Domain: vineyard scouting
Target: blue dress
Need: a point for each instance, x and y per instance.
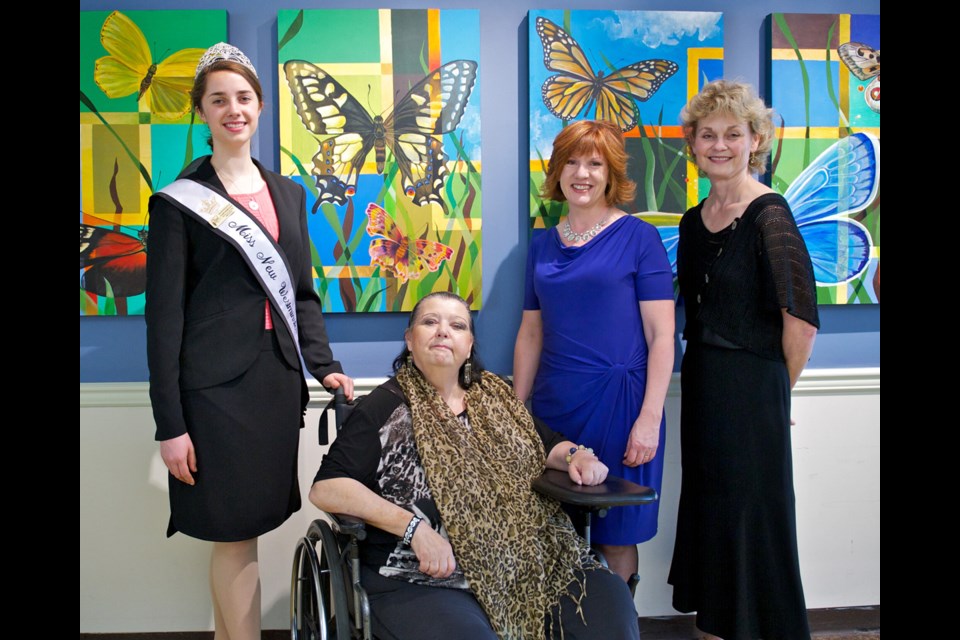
(593, 365)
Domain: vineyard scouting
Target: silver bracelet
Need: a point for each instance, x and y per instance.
(411, 529)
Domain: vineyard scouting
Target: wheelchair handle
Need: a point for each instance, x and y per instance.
(341, 408)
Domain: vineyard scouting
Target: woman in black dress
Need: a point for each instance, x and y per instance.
(232, 321)
(750, 300)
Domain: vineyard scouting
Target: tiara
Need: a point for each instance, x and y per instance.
(223, 51)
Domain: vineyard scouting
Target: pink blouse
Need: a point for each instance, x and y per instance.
(260, 206)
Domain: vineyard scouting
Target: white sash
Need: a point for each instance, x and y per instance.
(264, 257)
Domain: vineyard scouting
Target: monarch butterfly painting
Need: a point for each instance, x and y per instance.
(130, 69)
(636, 69)
(433, 106)
(577, 87)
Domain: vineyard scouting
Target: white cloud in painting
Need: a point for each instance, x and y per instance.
(470, 129)
(544, 127)
(662, 27)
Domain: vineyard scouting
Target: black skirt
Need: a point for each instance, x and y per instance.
(735, 561)
(246, 433)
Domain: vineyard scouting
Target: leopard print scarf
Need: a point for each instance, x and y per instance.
(517, 548)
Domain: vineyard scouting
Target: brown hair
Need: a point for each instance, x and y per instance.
(736, 99)
(586, 137)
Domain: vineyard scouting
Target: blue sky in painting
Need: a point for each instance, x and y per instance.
(788, 93)
(460, 40)
(866, 29)
(622, 38)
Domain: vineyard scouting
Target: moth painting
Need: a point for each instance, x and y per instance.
(636, 69)
(863, 61)
(823, 81)
(385, 137)
(137, 133)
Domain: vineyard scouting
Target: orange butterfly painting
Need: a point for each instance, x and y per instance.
(577, 87)
(395, 253)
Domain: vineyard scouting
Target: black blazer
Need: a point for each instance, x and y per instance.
(204, 306)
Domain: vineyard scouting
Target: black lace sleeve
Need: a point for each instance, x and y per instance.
(790, 266)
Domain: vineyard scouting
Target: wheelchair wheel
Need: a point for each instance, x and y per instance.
(318, 600)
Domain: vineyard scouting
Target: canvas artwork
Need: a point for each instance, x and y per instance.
(824, 85)
(137, 132)
(637, 69)
(380, 121)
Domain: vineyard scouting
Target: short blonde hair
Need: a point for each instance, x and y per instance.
(585, 137)
(737, 99)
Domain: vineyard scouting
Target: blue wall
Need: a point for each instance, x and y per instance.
(114, 349)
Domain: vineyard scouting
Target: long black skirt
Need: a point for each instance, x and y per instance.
(246, 434)
(735, 561)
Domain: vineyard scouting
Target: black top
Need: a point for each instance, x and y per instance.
(376, 447)
(736, 281)
(204, 307)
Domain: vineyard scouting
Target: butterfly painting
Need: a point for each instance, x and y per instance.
(827, 157)
(130, 69)
(108, 256)
(395, 253)
(864, 62)
(576, 87)
(842, 180)
(433, 106)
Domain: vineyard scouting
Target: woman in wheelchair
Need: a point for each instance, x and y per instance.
(439, 462)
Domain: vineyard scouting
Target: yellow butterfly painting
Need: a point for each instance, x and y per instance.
(577, 87)
(130, 69)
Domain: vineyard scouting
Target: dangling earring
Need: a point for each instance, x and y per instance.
(467, 373)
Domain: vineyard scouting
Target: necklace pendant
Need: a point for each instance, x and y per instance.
(572, 236)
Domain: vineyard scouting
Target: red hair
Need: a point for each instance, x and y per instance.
(586, 137)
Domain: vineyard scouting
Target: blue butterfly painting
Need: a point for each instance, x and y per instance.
(842, 180)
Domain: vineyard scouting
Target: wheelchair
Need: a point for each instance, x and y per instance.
(327, 600)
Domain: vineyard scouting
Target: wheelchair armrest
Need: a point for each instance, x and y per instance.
(613, 492)
(346, 525)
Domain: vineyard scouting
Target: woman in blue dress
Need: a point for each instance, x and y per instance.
(594, 352)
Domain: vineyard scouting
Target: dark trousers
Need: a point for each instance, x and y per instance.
(405, 611)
